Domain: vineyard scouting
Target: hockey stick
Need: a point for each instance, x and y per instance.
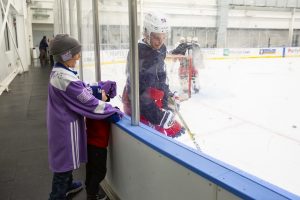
(192, 136)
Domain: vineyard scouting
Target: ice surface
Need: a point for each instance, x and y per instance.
(248, 115)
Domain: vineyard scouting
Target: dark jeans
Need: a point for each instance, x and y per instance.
(95, 168)
(43, 57)
(60, 185)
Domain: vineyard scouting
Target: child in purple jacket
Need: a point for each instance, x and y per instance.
(69, 100)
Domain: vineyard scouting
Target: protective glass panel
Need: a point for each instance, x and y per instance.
(88, 42)
(218, 77)
(229, 66)
(114, 34)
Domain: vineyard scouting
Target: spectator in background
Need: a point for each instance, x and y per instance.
(43, 51)
(51, 56)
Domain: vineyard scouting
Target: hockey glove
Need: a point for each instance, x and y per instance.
(167, 120)
(175, 130)
(110, 88)
(96, 91)
(179, 133)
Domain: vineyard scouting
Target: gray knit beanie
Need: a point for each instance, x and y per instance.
(64, 48)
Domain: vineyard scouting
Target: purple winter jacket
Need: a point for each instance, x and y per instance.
(69, 100)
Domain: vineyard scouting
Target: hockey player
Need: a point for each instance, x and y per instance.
(180, 48)
(188, 69)
(181, 41)
(154, 90)
(197, 60)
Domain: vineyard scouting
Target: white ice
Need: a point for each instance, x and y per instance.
(246, 114)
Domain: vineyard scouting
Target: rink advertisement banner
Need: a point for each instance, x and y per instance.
(213, 53)
(119, 56)
(106, 56)
(230, 53)
(292, 52)
(270, 52)
(267, 51)
(237, 52)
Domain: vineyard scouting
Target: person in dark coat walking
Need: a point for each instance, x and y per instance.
(43, 51)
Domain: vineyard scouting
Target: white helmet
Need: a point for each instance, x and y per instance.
(195, 40)
(155, 23)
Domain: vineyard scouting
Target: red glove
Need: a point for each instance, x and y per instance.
(175, 130)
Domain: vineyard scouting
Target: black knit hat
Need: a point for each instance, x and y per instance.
(64, 48)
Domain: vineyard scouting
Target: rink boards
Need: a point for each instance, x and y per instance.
(119, 56)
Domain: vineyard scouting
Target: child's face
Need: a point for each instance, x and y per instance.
(157, 40)
(72, 62)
